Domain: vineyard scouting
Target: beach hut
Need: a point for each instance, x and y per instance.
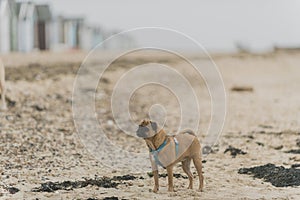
(86, 39)
(120, 41)
(43, 26)
(27, 20)
(97, 37)
(8, 26)
(73, 29)
(91, 36)
(57, 30)
(70, 33)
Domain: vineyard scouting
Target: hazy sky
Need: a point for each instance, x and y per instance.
(217, 24)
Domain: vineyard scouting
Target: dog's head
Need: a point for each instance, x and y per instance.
(147, 129)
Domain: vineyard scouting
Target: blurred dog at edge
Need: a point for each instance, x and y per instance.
(2, 87)
(167, 150)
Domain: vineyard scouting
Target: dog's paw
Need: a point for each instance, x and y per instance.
(3, 108)
(171, 190)
(155, 189)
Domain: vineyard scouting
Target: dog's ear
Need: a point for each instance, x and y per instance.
(154, 126)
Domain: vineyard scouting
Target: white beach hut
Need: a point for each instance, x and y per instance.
(86, 39)
(8, 26)
(27, 34)
(120, 42)
(97, 36)
(91, 36)
(73, 29)
(57, 32)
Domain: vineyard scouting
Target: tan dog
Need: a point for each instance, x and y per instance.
(2, 86)
(168, 150)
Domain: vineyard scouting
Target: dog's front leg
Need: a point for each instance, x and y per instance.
(2, 87)
(3, 106)
(156, 184)
(170, 178)
(155, 173)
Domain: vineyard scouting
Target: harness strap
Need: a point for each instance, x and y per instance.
(155, 152)
(176, 146)
(155, 155)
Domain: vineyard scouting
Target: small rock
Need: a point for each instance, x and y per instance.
(206, 150)
(12, 190)
(250, 136)
(39, 107)
(110, 123)
(265, 126)
(242, 89)
(260, 144)
(278, 147)
(298, 142)
(234, 151)
(9, 118)
(130, 183)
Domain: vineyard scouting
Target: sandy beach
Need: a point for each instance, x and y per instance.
(39, 142)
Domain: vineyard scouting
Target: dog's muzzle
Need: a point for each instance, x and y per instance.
(142, 132)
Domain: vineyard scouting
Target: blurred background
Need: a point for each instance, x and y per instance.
(59, 25)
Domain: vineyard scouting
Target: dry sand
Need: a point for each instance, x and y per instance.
(39, 143)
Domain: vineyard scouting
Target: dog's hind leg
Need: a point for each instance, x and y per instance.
(186, 168)
(198, 164)
(170, 178)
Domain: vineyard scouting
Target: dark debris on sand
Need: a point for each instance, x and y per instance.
(285, 132)
(234, 151)
(242, 89)
(295, 166)
(111, 198)
(124, 178)
(277, 176)
(105, 198)
(104, 182)
(294, 151)
(175, 175)
(298, 142)
(12, 190)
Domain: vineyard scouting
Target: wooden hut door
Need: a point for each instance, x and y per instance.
(42, 35)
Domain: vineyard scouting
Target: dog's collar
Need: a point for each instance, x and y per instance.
(160, 147)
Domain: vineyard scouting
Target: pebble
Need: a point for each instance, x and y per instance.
(110, 123)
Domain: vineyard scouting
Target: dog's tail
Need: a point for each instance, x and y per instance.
(189, 132)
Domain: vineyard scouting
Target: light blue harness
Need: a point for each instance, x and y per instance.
(155, 152)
